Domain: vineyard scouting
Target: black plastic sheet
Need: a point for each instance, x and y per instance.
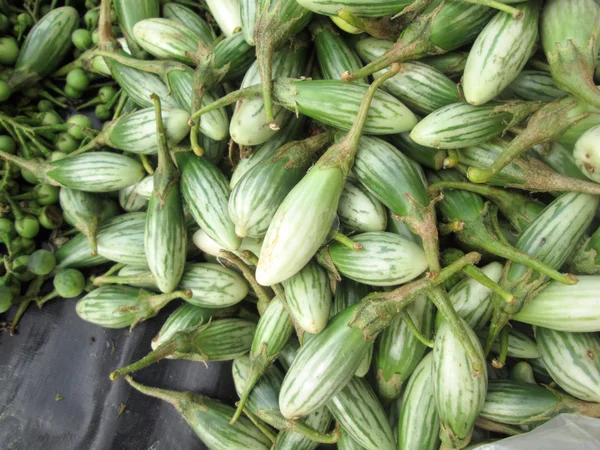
(55, 392)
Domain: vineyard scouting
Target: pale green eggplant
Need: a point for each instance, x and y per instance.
(227, 15)
(236, 52)
(565, 308)
(359, 210)
(122, 306)
(211, 249)
(129, 14)
(82, 210)
(138, 276)
(130, 200)
(308, 297)
(323, 366)
(451, 63)
(248, 19)
(210, 420)
(357, 409)
(587, 153)
(77, 254)
(189, 18)
(92, 172)
(249, 125)
(357, 7)
(398, 350)
(144, 188)
(206, 192)
(385, 259)
(319, 420)
(419, 424)
(500, 52)
(459, 393)
(519, 345)
(256, 197)
(533, 85)
(572, 360)
(167, 39)
(121, 239)
(569, 33)
(426, 156)
(522, 372)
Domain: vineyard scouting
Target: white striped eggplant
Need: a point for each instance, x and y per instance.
(572, 360)
(356, 7)
(533, 86)
(334, 55)
(451, 63)
(421, 87)
(248, 19)
(47, 43)
(308, 297)
(209, 420)
(217, 340)
(471, 300)
(211, 249)
(189, 18)
(165, 237)
(122, 306)
(426, 156)
(130, 14)
(205, 190)
(359, 210)
(518, 403)
(264, 402)
(290, 131)
(276, 22)
(385, 259)
(443, 26)
(82, 210)
(273, 332)
(323, 366)
(227, 15)
(319, 420)
(121, 239)
(305, 217)
(569, 33)
(137, 276)
(419, 424)
(130, 200)
(249, 124)
(395, 181)
(236, 52)
(585, 153)
(519, 345)
(319, 100)
(77, 254)
(565, 308)
(256, 197)
(92, 172)
(357, 409)
(500, 52)
(550, 238)
(398, 350)
(459, 393)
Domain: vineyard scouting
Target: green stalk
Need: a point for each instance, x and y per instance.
(478, 275)
(263, 427)
(414, 329)
(240, 94)
(383, 28)
(500, 361)
(347, 242)
(490, 425)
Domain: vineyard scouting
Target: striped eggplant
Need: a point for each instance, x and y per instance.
(190, 19)
(47, 43)
(460, 125)
(572, 360)
(540, 371)
(130, 14)
(459, 394)
(92, 172)
(205, 190)
(211, 249)
(471, 300)
(276, 22)
(358, 411)
(292, 130)
(586, 153)
(333, 53)
(569, 33)
(444, 26)
(121, 239)
(550, 238)
(77, 254)
(395, 181)
(130, 200)
(398, 350)
(82, 210)
(519, 403)
(249, 124)
(308, 297)
(137, 276)
(264, 402)
(500, 52)
(319, 420)
(273, 332)
(210, 420)
(386, 259)
(256, 197)
(227, 15)
(451, 63)
(359, 210)
(519, 345)
(421, 87)
(165, 237)
(323, 366)
(533, 85)
(167, 39)
(357, 7)
(122, 306)
(217, 340)
(580, 313)
(305, 217)
(248, 19)
(236, 52)
(419, 424)
(426, 156)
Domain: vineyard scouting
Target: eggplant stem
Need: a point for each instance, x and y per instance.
(415, 330)
(347, 242)
(263, 427)
(490, 425)
(500, 361)
(479, 276)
